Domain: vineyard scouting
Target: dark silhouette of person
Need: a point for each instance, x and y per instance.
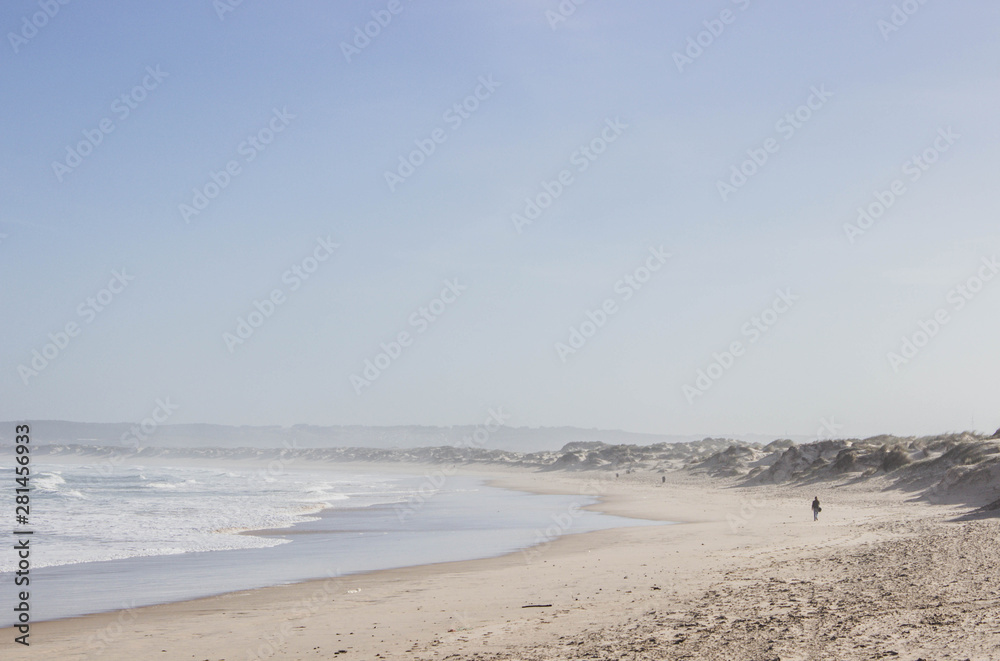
(816, 508)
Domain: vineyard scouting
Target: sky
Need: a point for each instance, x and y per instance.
(717, 218)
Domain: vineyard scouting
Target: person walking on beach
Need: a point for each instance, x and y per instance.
(816, 508)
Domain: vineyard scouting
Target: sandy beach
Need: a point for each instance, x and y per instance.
(500, 331)
(744, 575)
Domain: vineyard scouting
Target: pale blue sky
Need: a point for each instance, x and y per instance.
(496, 345)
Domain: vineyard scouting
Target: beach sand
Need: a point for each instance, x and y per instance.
(745, 575)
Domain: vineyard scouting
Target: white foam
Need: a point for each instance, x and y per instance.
(48, 481)
(85, 516)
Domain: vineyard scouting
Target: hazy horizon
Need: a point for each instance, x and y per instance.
(726, 219)
(829, 431)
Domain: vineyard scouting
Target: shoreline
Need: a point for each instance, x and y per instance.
(600, 584)
(308, 527)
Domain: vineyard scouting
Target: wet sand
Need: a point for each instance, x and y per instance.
(746, 575)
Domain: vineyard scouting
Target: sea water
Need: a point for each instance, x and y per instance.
(138, 535)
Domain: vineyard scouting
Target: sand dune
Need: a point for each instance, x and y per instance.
(949, 468)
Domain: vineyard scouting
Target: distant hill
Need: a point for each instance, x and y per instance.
(948, 468)
(513, 439)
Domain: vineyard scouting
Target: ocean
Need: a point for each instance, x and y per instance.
(114, 537)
